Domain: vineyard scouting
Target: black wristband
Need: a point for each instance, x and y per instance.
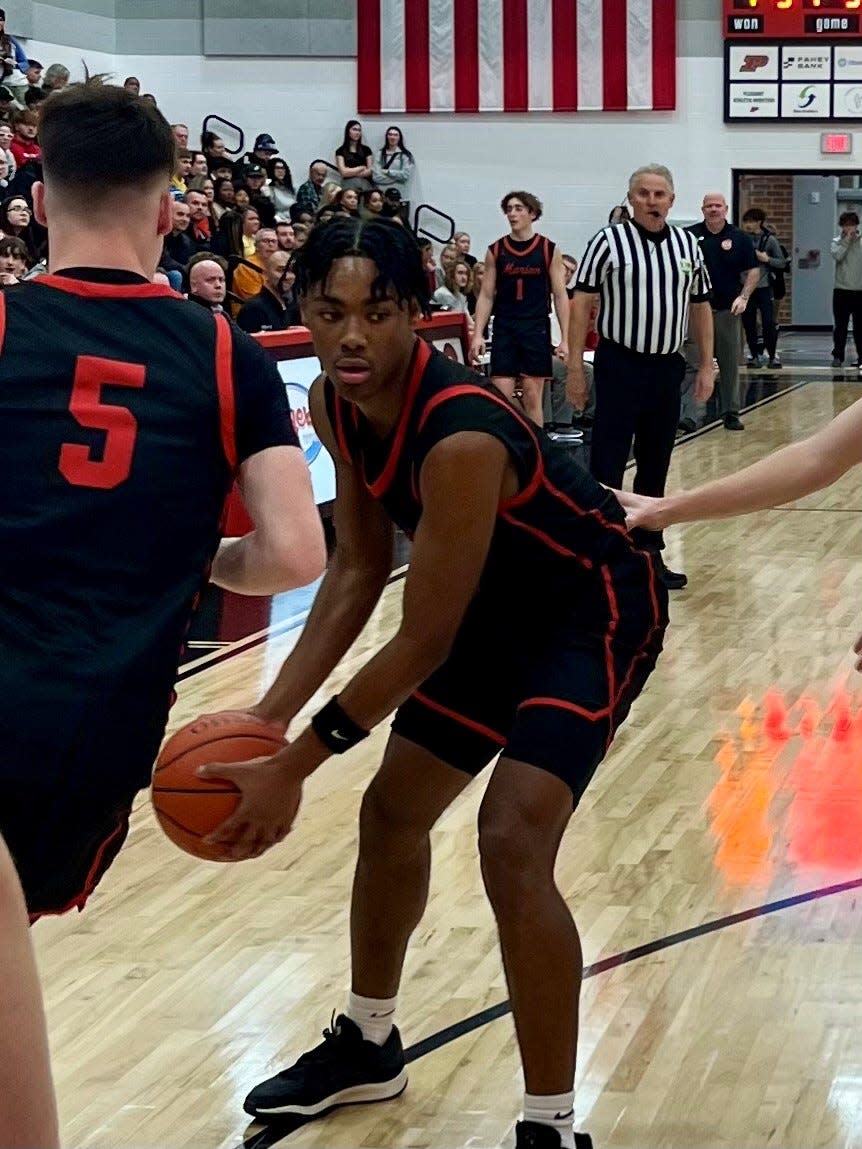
(335, 729)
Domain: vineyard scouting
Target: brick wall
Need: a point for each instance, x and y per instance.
(773, 193)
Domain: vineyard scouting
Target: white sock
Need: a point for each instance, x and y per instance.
(374, 1015)
(556, 1110)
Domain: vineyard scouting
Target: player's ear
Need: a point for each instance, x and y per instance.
(166, 213)
(38, 192)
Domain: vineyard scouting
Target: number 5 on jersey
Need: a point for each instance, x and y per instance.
(77, 465)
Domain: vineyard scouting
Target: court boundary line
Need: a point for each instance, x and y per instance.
(278, 1129)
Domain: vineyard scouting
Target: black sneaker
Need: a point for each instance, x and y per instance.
(733, 423)
(673, 580)
(775, 365)
(532, 1135)
(343, 1070)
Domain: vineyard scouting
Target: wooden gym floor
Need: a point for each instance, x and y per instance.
(713, 867)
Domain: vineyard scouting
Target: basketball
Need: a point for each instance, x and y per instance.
(189, 808)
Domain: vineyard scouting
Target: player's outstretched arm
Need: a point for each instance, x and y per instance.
(28, 1111)
(286, 549)
(780, 478)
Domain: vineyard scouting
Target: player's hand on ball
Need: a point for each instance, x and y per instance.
(271, 796)
(643, 511)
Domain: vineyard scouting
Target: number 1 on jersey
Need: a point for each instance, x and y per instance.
(77, 465)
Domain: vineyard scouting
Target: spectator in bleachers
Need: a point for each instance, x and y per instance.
(14, 260)
(308, 195)
(354, 158)
(279, 187)
(284, 234)
(199, 165)
(452, 296)
(301, 232)
(264, 149)
(213, 147)
(24, 146)
(250, 228)
(34, 96)
(33, 74)
(241, 198)
(16, 219)
(300, 214)
(177, 248)
(178, 184)
(393, 166)
(203, 184)
(224, 198)
(462, 241)
(274, 307)
(199, 229)
(207, 282)
(181, 134)
(248, 276)
(8, 104)
(372, 204)
(448, 255)
(6, 135)
(132, 84)
(57, 77)
(347, 199)
(148, 97)
(571, 266)
(11, 53)
(429, 265)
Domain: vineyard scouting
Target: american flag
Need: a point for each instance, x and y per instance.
(419, 56)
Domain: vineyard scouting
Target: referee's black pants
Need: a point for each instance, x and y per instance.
(637, 398)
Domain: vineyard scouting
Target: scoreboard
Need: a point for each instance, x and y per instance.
(792, 19)
(792, 60)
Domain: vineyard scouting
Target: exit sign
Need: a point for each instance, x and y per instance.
(836, 143)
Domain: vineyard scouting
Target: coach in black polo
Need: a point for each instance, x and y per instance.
(734, 271)
(652, 284)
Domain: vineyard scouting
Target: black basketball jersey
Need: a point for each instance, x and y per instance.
(523, 277)
(554, 541)
(124, 413)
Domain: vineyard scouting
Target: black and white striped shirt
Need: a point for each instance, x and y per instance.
(646, 283)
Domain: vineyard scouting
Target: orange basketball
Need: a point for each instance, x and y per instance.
(188, 807)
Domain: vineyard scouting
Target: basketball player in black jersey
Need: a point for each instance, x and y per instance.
(125, 413)
(523, 273)
(497, 516)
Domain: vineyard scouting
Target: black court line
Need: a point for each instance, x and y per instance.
(281, 1128)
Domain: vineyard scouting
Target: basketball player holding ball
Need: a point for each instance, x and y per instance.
(497, 515)
(125, 414)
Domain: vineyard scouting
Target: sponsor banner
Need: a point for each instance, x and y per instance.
(847, 101)
(809, 64)
(298, 375)
(747, 63)
(753, 102)
(847, 63)
(805, 101)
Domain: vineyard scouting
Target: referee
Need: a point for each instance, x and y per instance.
(652, 281)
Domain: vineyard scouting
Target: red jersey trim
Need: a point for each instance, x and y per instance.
(339, 430)
(382, 484)
(224, 383)
(96, 872)
(548, 541)
(535, 482)
(537, 239)
(613, 609)
(562, 704)
(88, 290)
(477, 727)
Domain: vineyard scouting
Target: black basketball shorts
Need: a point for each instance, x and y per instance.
(522, 347)
(65, 814)
(553, 702)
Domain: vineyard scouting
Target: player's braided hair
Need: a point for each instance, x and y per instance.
(391, 248)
